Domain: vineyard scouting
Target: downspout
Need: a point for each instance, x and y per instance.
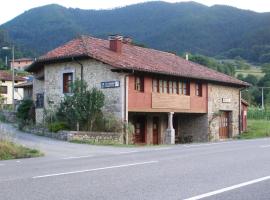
(126, 105)
(240, 110)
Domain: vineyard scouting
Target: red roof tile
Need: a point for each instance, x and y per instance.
(7, 76)
(135, 58)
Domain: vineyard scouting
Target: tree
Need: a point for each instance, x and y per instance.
(251, 79)
(83, 106)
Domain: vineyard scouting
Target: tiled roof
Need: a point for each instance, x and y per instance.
(7, 76)
(135, 58)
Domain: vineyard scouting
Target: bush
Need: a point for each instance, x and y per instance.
(9, 150)
(108, 123)
(57, 126)
(83, 106)
(25, 113)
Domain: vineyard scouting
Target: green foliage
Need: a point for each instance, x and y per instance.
(256, 129)
(25, 112)
(224, 67)
(179, 27)
(108, 123)
(10, 150)
(83, 106)
(57, 126)
(257, 113)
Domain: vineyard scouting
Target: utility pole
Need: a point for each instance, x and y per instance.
(12, 68)
(262, 99)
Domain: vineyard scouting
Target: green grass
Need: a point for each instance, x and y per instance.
(257, 129)
(10, 150)
(253, 71)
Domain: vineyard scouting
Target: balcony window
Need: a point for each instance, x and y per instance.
(198, 89)
(139, 84)
(160, 84)
(165, 86)
(170, 87)
(155, 85)
(175, 87)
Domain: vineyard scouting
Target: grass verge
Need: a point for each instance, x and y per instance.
(10, 150)
(256, 129)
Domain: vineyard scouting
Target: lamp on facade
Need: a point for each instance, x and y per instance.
(12, 68)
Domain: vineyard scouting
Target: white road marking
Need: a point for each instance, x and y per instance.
(229, 188)
(126, 152)
(160, 149)
(77, 157)
(95, 169)
(265, 146)
(207, 144)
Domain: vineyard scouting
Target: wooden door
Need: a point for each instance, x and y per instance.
(155, 130)
(140, 129)
(224, 125)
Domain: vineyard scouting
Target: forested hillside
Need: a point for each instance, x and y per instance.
(220, 31)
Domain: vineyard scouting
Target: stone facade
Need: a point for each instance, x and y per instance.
(95, 137)
(192, 128)
(38, 87)
(223, 98)
(94, 73)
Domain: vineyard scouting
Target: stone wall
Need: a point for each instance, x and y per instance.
(223, 98)
(38, 87)
(95, 137)
(9, 116)
(192, 128)
(94, 73)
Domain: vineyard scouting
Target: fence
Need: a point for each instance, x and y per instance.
(258, 113)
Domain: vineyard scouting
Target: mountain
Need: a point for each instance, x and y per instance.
(177, 27)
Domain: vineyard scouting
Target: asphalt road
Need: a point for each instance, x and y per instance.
(226, 170)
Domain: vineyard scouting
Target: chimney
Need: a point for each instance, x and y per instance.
(127, 40)
(187, 57)
(116, 43)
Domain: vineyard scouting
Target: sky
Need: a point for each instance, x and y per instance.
(12, 8)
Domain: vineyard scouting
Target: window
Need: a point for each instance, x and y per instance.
(180, 88)
(170, 87)
(165, 86)
(175, 87)
(67, 81)
(139, 84)
(40, 100)
(160, 83)
(3, 81)
(155, 85)
(185, 89)
(198, 89)
(3, 90)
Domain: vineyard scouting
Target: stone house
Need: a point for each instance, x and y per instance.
(6, 87)
(168, 99)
